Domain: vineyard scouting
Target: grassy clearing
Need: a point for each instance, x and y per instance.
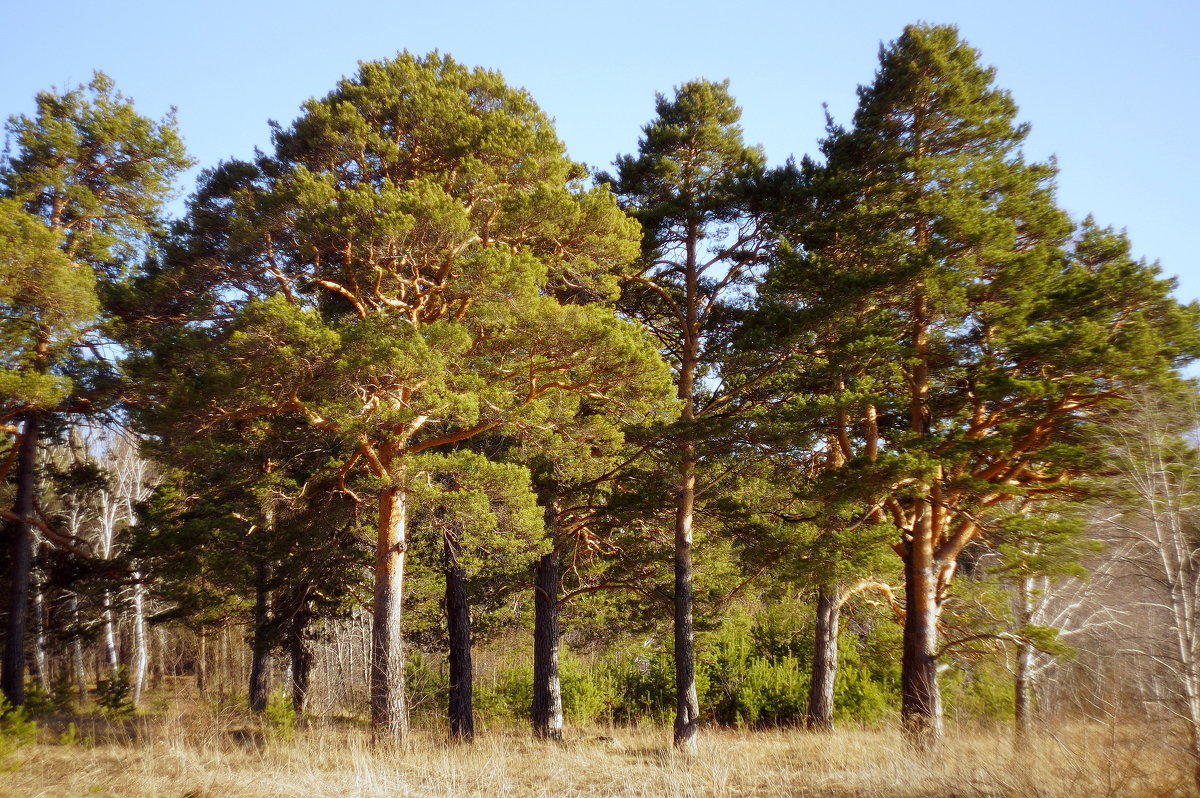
(225, 754)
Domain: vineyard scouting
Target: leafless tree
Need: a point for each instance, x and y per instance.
(1158, 461)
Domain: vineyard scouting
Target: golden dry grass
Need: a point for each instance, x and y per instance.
(197, 753)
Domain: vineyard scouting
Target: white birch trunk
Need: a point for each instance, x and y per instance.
(141, 650)
(110, 636)
(39, 636)
(77, 650)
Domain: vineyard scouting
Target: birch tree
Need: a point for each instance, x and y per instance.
(1155, 453)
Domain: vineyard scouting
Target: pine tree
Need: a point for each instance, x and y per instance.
(963, 348)
(94, 173)
(414, 266)
(698, 191)
(477, 523)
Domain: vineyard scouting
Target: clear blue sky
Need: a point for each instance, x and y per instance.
(1112, 88)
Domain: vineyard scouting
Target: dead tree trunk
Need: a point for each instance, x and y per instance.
(1022, 687)
(39, 624)
(111, 657)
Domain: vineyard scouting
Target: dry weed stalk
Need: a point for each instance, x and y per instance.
(205, 754)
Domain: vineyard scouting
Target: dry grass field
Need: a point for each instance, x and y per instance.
(203, 754)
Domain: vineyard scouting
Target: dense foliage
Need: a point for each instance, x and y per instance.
(409, 383)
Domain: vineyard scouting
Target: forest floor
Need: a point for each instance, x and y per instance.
(196, 753)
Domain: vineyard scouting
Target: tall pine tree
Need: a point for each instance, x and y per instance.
(698, 191)
(95, 174)
(414, 266)
(963, 349)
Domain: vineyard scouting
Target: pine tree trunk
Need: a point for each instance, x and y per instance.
(389, 713)
(547, 711)
(141, 647)
(201, 660)
(825, 660)
(458, 628)
(260, 664)
(920, 701)
(300, 650)
(224, 667)
(687, 704)
(12, 680)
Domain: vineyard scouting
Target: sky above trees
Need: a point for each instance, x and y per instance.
(1109, 88)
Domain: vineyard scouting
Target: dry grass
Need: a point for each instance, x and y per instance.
(197, 753)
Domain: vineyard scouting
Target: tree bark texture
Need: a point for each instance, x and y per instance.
(1022, 688)
(547, 711)
(819, 716)
(300, 650)
(687, 704)
(39, 629)
(111, 656)
(260, 647)
(77, 649)
(13, 676)
(159, 661)
(920, 701)
(389, 712)
(458, 629)
(201, 660)
(141, 645)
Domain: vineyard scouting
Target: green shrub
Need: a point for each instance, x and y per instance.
(59, 698)
(868, 679)
(644, 686)
(978, 691)
(426, 688)
(513, 693)
(37, 700)
(280, 717)
(113, 695)
(753, 669)
(589, 692)
(71, 736)
(773, 692)
(16, 731)
(783, 628)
